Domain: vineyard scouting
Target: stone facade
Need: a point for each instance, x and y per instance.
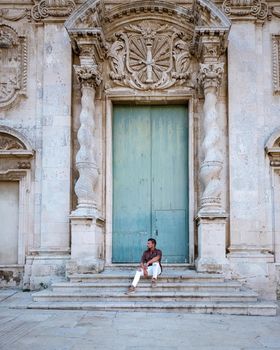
(63, 65)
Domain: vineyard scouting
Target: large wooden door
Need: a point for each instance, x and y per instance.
(150, 181)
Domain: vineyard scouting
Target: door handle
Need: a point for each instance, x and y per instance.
(156, 232)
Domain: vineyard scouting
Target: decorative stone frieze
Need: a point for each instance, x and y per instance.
(14, 15)
(149, 56)
(246, 9)
(210, 171)
(52, 8)
(276, 63)
(13, 66)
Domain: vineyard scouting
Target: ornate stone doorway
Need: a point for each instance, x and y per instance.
(147, 52)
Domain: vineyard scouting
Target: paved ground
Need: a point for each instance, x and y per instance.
(22, 329)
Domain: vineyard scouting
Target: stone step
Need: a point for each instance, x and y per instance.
(169, 296)
(145, 285)
(209, 307)
(126, 276)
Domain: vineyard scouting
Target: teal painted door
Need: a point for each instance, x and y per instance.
(150, 181)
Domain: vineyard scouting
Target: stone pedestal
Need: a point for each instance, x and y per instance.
(211, 243)
(87, 250)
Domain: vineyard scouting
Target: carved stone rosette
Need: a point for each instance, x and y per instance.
(210, 171)
(89, 78)
(54, 8)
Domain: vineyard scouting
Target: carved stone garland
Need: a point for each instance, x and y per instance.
(89, 78)
(149, 56)
(212, 165)
(13, 65)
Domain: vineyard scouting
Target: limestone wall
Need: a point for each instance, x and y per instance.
(46, 113)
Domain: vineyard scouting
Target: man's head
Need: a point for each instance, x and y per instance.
(151, 243)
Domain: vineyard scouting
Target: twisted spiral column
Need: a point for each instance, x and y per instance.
(210, 171)
(86, 184)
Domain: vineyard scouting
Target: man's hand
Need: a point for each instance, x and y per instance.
(145, 270)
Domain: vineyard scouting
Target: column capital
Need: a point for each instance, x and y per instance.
(88, 76)
(210, 75)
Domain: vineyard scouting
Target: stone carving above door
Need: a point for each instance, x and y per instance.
(9, 143)
(13, 66)
(149, 55)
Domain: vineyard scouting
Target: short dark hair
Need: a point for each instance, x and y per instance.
(152, 240)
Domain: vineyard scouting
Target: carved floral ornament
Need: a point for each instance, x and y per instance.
(210, 75)
(88, 76)
(148, 56)
(13, 65)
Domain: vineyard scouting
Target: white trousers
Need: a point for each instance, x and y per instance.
(153, 270)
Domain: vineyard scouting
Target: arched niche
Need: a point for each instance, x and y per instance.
(272, 148)
(14, 144)
(16, 155)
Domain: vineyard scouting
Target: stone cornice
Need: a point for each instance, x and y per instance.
(89, 42)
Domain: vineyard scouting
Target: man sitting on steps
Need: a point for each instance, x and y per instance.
(150, 265)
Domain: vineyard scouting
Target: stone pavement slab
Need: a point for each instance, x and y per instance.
(24, 329)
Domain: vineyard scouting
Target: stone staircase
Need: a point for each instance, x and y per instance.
(178, 290)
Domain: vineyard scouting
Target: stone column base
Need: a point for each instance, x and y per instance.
(87, 245)
(212, 243)
(44, 266)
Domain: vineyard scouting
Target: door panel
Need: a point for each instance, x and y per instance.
(168, 226)
(150, 178)
(170, 180)
(131, 182)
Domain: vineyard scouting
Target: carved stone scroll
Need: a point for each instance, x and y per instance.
(148, 56)
(89, 78)
(13, 66)
(53, 8)
(257, 9)
(211, 167)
